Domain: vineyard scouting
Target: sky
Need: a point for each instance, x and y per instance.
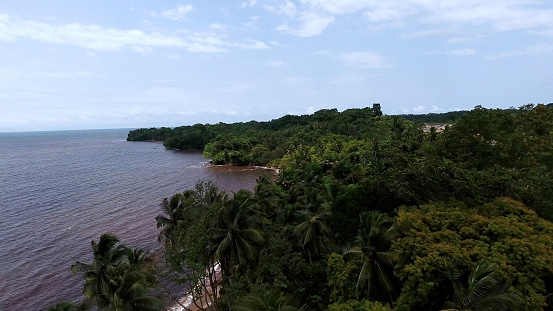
(78, 64)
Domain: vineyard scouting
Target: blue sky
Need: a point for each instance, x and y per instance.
(113, 64)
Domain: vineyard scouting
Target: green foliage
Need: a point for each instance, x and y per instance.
(341, 278)
(234, 235)
(354, 305)
(152, 134)
(504, 233)
(118, 278)
(313, 235)
(341, 172)
(445, 117)
(482, 291)
(68, 306)
(372, 250)
(267, 302)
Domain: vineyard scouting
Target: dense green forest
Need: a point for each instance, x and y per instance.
(368, 212)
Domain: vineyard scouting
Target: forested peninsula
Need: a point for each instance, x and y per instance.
(368, 212)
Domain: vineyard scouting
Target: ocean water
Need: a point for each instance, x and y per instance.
(61, 190)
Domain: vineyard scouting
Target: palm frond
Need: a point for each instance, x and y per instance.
(80, 267)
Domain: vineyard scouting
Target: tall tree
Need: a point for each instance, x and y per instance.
(235, 237)
(117, 278)
(99, 274)
(313, 235)
(482, 291)
(373, 249)
(176, 214)
(133, 287)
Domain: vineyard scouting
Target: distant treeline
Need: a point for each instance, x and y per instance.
(448, 117)
(265, 143)
(273, 134)
(445, 117)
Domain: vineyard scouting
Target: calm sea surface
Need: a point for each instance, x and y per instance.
(61, 190)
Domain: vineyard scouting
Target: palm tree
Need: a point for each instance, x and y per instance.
(117, 279)
(373, 249)
(268, 302)
(313, 234)
(267, 197)
(482, 291)
(135, 258)
(98, 275)
(175, 214)
(236, 241)
(68, 306)
(133, 292)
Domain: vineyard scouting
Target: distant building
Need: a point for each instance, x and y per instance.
(438, 127)
(376, 110)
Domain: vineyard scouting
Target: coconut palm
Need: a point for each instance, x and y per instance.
(116, 279)
(373, 249)
(133, 287)
(481, 292)
(236, 241)
(313, 234)
(98, 275)
(267, 197)
(68, 306)
(135, 258)
(174, 214)
(268, 302)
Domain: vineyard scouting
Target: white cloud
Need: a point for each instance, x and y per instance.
(419, 109)
(172, 56)
(94, 37)
(252, 44)
(364, 59)
(344, 6)
(440, 31)
(463, 39)
(311, 24)
(548, 32)
(541, 48)
(214, 39)
(499, 14)
(142, 49)
(390, 13)
(248, 3)
(8, 74)
(179, 13)
(217, 26)
(98, 38)
(463, 52)
(287, 8)
(502, 15)
(424, 109)
(253, 23)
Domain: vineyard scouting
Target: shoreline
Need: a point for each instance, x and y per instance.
(246, 167)
(260, 167)
(189, 304)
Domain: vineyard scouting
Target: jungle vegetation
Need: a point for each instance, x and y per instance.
(368, 212)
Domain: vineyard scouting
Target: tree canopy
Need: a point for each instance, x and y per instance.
(368, 212)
